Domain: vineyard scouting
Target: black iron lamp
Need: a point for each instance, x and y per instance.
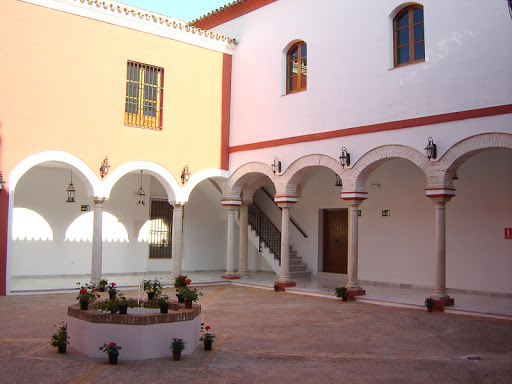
(2, 181)
(185, 175)
(344, 157)
(339, 183)
(431, 149)
(71, 191)
(104, 167)
(276, 165)
(455, 177)
(141, 195)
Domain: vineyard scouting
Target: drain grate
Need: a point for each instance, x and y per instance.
(474, 358)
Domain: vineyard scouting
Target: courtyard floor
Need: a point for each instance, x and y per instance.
(273, 337)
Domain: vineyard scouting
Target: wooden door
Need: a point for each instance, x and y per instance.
(335, 240)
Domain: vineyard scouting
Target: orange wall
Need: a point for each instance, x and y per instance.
(63, 88)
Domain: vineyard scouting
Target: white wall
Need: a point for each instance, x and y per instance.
(351, 81)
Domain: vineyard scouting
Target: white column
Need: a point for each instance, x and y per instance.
(244, 229)
(353, 244)
(177, 240)
(285, 245)
(440, 231)
(230, 258)
(97, 240)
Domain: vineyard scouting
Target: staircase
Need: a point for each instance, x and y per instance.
(267, 238)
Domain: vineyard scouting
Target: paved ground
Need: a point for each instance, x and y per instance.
(269, 337)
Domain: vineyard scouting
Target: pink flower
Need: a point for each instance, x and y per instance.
(111, 345)
(207, 328)
(99, 296)
(113, 284)
(83, 291)
(188, 281)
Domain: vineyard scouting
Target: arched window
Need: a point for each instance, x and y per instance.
(409, 39)
(297, 68)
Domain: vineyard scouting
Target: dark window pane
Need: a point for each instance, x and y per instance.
(402, 36)
(402, 55)
(294, 53)
(292, 83)
(418, 32)
(304, 50)
(418, 15)
(419, 51)
(402, 20)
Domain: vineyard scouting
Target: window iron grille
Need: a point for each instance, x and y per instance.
(160, 231)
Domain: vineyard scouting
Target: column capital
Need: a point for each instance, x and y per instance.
(440, 195)
(231, 203)
(285, 201)
(354, 197)
(178, 205)
(98, 200)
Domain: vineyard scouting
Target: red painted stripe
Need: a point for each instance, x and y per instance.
(4, 211)
(231, 13)
(226, 103)
(392, 125)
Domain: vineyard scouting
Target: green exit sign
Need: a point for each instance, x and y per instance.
(85, 208)
(386, 213)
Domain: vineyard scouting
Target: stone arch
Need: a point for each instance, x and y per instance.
(160, 173)
(87, 176)
(246, 175)
(464, 149)
(290, 184)
(373, 159)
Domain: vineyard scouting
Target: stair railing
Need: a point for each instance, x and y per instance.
(266, 230)
(301, 231)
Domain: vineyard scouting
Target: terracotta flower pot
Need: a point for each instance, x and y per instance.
(112, 358)
(123, 309)
(112, 295)
(151, 295)
(176, 356)
(62, 348)
(188, 303)
(84, 305)
(164, 308)
(207, 345)
(429, 308)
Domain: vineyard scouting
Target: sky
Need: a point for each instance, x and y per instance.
(186, 10)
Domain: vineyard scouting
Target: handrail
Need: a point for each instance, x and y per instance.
(291, 219)
(266, 230)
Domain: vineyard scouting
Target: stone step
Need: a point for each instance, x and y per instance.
(298, 268)
(300, 274)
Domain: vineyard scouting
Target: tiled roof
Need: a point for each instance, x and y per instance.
(142, 15)
(218, 10)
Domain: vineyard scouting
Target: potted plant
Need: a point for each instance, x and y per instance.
(206, 337)
(153, 288)
(163, 301)
(177, 346)
(342, 292)
(429, 303)
(102, 285)
(124, 303)
(111, 306)
(86, 294)
(112, 290)
(189, 295)
(181, 281)
(276, 287)
(112, 350)
(60, 338)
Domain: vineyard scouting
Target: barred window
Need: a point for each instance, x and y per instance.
(144, 93)
(160, 231)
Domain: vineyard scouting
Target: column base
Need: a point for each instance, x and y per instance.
(284, 284)
(243, 273)
(352, 293)
(230, 277)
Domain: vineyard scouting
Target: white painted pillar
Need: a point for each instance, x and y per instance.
(243, 246)
(440, 198)
(230, 257)
(285, 203)
(177, 240)
(354, 200)
(97, 240)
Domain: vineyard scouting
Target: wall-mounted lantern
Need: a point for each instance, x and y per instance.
(185, 175)
(276, 165)
(431, 149)
(104, 167)
(344, 157)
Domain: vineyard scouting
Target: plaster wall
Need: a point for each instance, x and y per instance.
(351, 79)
